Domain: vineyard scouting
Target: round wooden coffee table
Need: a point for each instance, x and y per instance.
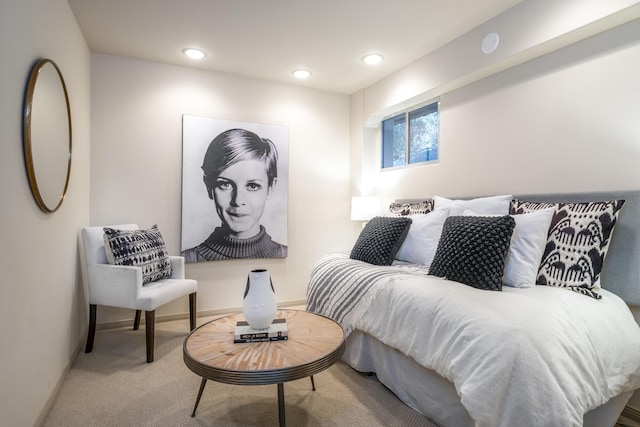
(315, 343)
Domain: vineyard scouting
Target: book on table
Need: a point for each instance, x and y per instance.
(277, 331)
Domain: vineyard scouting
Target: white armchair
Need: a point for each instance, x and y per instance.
(122, 286)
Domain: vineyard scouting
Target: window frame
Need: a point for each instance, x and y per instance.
(406, 116)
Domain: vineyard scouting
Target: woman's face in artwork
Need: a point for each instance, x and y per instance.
(240, 193)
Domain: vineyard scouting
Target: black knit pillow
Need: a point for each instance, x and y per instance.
(380, 240)
(141, 248)
(472, 250)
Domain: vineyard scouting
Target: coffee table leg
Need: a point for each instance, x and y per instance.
(313, 384)
(281, 404)
(202, 384)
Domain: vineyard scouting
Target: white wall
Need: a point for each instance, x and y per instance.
(526, 31)
(136, 134)
(564, 121)
(43, 305)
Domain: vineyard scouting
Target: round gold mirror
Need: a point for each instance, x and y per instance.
(47, 135)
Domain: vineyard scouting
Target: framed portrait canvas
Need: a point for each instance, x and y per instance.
(234, 189)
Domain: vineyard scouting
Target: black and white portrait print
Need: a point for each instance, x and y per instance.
(234, 189)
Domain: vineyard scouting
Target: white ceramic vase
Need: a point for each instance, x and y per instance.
(259, 305)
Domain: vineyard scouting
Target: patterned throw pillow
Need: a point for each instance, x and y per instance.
(577, 244)
(141, 248)
(380, 240)
(404, 209)
(473, 249)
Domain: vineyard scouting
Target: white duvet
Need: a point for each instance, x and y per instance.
(521, 357)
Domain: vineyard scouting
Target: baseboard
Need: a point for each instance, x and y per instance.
(170, 317)
(631, 413)
(52, 396)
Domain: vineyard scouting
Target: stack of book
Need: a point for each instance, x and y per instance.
(276, 332)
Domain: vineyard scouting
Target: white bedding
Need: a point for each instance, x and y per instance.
(521, 357)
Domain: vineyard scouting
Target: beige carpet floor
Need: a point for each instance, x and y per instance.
(114, 386)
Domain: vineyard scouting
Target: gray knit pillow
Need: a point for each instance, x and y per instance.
(473, 249)
(380, 240)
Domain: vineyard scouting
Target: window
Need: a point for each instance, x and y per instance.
(417, 143)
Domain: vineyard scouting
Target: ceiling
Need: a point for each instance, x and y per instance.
(267, 39)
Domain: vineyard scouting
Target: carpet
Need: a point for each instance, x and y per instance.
(114, 386)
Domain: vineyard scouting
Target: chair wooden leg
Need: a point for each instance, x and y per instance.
(192, 310)
(150, 320)
(136, 321)
(92, 328)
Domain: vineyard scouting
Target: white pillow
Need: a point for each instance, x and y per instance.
(527, 246)
(421, 243)
(493, 205)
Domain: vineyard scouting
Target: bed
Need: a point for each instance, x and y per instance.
(565, 354)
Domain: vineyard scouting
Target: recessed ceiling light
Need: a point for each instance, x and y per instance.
(194, 53)
(372, 59)
(490, 43)
(301, 74)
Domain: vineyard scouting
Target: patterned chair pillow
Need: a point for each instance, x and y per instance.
(141, 248)
(579, 237)
(380, 240)
(473, 250)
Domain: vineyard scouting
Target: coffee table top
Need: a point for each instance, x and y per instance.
(315, 343)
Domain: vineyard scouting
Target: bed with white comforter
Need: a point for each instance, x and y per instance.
(537, 356)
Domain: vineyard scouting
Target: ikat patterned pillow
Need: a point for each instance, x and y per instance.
(141, 248)
(404, 209)
(473, 250)
(380, 240)
(579, 237)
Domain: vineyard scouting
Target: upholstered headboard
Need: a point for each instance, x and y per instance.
(621, 270)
